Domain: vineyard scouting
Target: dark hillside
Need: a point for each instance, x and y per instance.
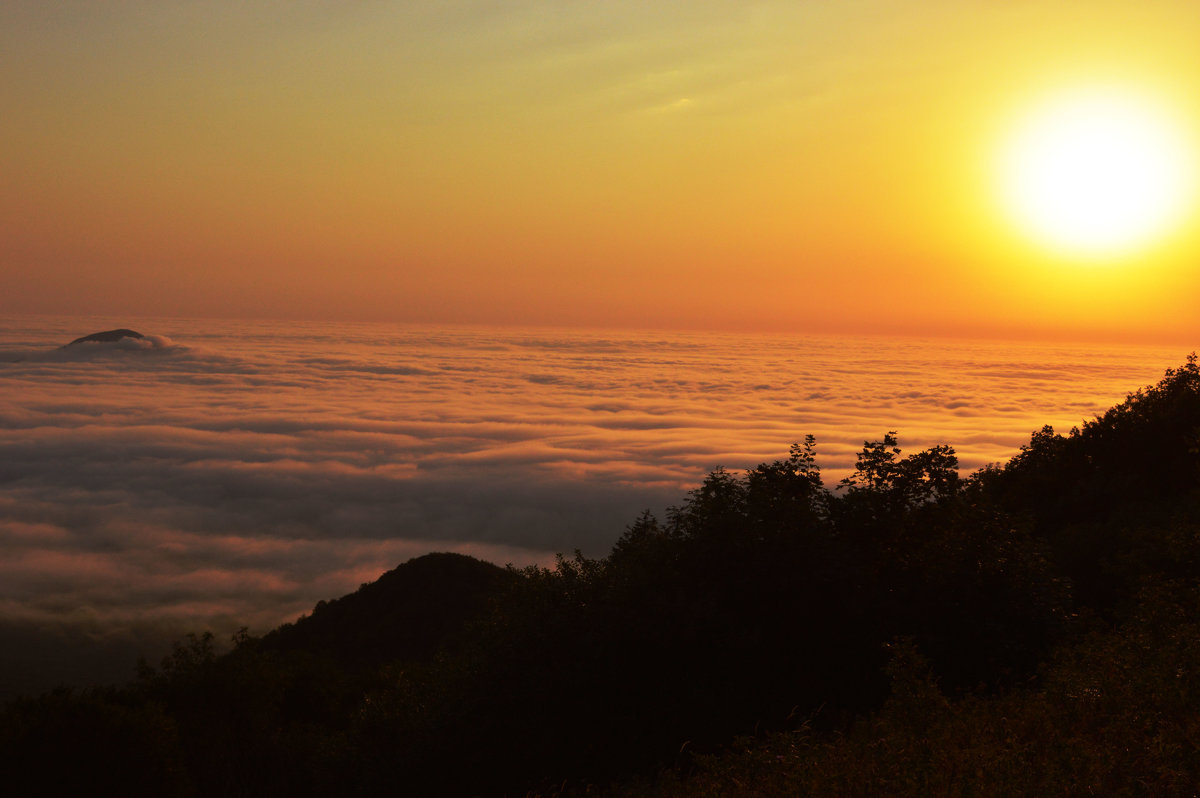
(1118, 499)
(409, 613)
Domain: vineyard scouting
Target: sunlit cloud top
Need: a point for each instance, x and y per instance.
(239, 472)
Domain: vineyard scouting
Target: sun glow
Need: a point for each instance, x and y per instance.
(1096, 174)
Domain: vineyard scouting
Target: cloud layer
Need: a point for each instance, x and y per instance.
(236, 473)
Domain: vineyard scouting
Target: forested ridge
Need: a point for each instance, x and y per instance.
(1027, 629)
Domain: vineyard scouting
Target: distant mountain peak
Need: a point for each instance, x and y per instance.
(108, 336)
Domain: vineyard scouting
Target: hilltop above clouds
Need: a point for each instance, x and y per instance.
(121, 339)
(111, 336)
(119, 343)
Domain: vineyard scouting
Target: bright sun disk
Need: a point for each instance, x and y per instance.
(1096, 174)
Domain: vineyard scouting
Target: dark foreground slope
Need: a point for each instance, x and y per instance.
(275, 716)
(408, 614)
(916, 626)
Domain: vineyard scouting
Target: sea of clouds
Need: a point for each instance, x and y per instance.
(221, 474)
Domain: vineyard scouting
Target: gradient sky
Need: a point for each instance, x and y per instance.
(714, 165)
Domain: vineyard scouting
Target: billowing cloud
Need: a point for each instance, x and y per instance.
(235, 474)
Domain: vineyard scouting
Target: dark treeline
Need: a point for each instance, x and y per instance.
(909, 605)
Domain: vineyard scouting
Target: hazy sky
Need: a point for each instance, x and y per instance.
(727, 165)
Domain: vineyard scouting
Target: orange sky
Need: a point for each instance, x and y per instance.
(776, 166)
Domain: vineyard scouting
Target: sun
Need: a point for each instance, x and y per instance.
(1096, 173)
